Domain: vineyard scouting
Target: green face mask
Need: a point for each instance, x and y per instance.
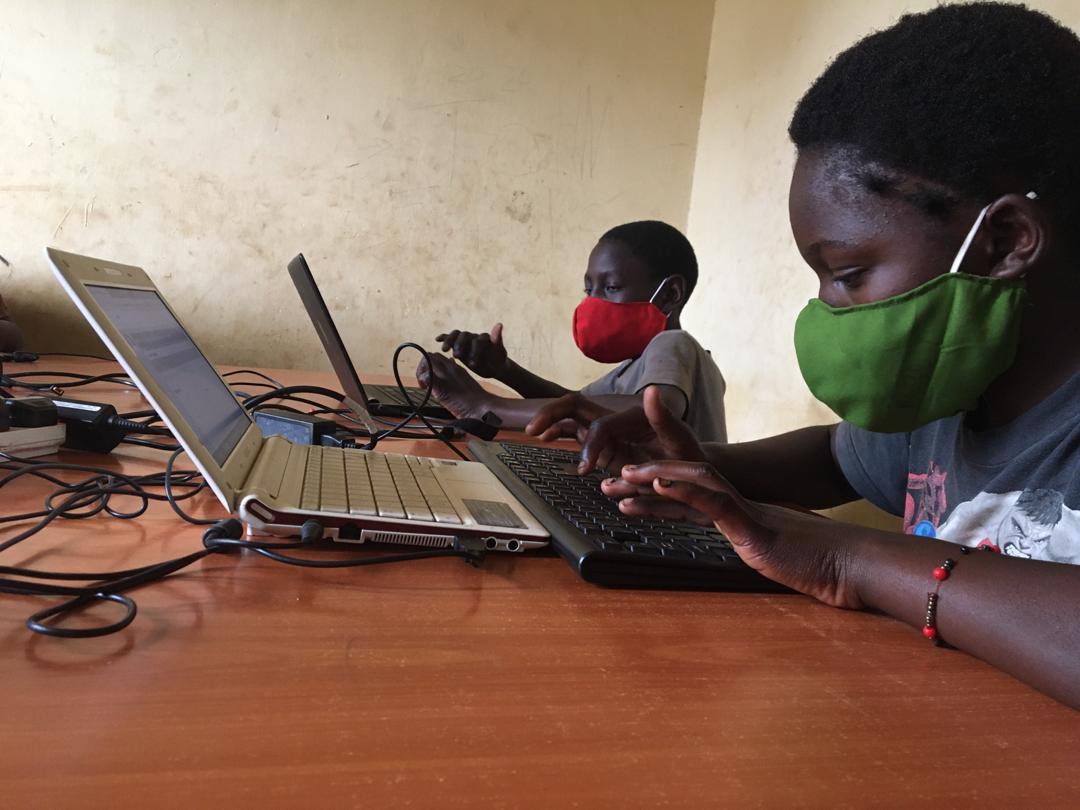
(894, 365)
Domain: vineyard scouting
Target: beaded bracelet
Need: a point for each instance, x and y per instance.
(941, 573)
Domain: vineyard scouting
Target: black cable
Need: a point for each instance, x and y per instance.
(417, 408)
(13, 380)
(110, 587)
(148, 443)
(254, 373)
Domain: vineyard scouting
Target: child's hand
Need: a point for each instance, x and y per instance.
(482, 353)
(609, 440)
(806, 552)
(452, 386)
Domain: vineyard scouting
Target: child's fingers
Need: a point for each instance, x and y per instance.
(571, 406)
(699, 473)
(448, 339)
(725, 509)
(462, 344)
(618, 488)
(496, 334)
(664, 508)
(672, 432)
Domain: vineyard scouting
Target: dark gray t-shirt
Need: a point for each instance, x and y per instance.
(1015, 487)
(674, 358)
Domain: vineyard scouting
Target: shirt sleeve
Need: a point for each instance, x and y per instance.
(875, 464)
(605, 385)
(670, 359)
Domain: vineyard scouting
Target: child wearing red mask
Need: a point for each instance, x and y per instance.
(638, 279)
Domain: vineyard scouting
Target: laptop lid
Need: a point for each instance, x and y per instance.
(355, 397)
(133, 319)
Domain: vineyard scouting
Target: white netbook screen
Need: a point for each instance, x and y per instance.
(177, 365)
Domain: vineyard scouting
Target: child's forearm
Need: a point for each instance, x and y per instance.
(529, 385)
(793, 468)
(517, 413)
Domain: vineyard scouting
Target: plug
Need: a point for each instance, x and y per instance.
(227, 529)
(30, 412)
(474, 549)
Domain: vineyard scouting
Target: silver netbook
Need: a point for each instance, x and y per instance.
(271, 483)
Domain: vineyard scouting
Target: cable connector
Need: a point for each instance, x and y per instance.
(311, 532)
(227, 529)
(473, 548)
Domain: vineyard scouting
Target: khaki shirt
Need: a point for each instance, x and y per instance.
(674, 358)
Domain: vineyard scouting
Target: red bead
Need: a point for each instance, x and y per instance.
(930, 632)
(941, 573)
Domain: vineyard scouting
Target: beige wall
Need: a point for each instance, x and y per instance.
(441, 164)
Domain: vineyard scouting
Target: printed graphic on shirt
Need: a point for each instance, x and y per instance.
(1032, 523)
(925, 503)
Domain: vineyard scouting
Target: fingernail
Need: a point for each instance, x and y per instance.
(630, 467)
(663, 482)
(610, 481)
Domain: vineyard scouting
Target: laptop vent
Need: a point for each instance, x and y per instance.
(406, 538)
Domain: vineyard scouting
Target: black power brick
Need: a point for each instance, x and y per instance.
(95, 426)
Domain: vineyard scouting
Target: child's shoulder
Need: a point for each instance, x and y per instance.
(675, 340)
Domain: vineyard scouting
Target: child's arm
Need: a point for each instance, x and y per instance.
(463, 396)
(795, 468)
(11, 338)
(1022, 616)
(486, 356)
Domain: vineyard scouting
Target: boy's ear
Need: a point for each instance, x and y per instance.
(673, 295)
(1017, 227)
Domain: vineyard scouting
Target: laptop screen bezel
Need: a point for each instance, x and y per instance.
(325, 328)
(75, 272)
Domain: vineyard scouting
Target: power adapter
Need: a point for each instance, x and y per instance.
(298, 428)
(31, 412)
(96, 426)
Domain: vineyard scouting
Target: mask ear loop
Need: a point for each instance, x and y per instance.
(1031, 195)
(652, 299)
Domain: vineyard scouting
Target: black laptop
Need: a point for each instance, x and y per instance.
(380, 400)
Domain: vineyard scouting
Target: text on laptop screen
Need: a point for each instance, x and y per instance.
(177, 366)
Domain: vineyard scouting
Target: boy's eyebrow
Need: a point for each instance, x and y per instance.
(829, 243)
(814, 250)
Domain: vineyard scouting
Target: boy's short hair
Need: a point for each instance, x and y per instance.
(660, 247)
(962, 95)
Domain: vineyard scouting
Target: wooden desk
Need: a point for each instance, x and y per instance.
(246, 683)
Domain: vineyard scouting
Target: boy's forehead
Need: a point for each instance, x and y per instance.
(610, 256)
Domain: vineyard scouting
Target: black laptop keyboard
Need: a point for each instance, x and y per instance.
(391, 395)
(605, 545)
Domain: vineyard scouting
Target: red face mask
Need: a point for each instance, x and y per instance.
(608, 332)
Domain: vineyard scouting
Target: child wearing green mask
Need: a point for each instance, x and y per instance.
(935, 196)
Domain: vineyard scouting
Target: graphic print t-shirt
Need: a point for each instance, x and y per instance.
(1015, 488)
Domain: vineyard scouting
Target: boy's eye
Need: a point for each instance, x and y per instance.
(849, 279)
